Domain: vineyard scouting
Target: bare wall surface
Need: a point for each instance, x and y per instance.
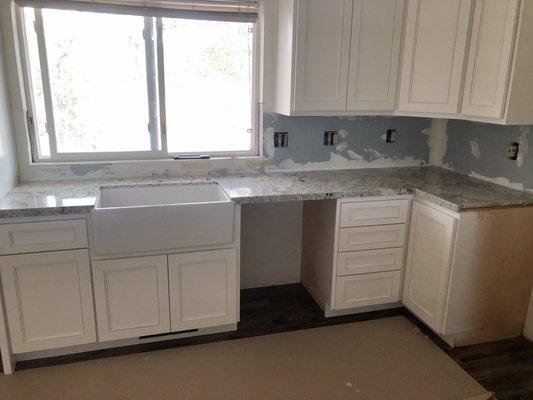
(8, 166)
(271, 244)
(361, 142)
(479, 150)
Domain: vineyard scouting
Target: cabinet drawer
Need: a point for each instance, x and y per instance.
(371, 237)
(43, 236)
(367, 289)
(362, 262)
(367, 213)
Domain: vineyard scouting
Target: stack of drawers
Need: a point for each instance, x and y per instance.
(370, 252)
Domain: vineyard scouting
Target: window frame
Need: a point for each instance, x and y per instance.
(159, 136)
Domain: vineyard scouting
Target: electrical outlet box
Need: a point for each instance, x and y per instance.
(331, 138)
(281, 139)
(512, 151)
(391, 136)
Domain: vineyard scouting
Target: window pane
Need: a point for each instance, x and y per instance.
(43, 142)
(208, 70)
(98, 81)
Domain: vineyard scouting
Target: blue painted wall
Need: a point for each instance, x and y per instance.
(361, 141)
(480, 150)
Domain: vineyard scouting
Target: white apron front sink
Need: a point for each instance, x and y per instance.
(151, 218)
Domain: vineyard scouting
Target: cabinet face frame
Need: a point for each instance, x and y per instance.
(302, 47)
(442, 269)
(11, 266)
(494, 107)
(156, 290)
(412, 36)
(381, 39)
(193, 271)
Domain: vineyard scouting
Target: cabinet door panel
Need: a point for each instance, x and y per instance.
(322, 54)
(434, 51)
(131, 297)
(490, 57)
(48, 300)
(375, 53)
(203, 289)
(428, 264)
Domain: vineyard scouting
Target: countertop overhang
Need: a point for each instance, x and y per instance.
(451, 190)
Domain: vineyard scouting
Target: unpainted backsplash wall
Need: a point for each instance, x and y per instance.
(479, 150)
(361, 142)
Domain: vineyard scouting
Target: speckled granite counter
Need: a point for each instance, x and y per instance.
(451, 190)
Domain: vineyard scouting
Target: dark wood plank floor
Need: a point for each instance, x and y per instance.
(504, 367)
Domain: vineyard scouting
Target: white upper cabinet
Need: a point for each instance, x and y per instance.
(457, 59)
(433, 59)
(322, 53)
(337, 56)
(374, 54)
(490, 57)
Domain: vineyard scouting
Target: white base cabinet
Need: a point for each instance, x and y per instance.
(131, 297)
(427, 268)
(203, 289)
(468, 276)
(353, 252)
(49, 300)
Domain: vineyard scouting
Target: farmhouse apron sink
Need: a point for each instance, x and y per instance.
(151, 218)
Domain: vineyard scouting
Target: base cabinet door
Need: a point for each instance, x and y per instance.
(203, 289)
(48, 300)
(131, 297)
(428, 264)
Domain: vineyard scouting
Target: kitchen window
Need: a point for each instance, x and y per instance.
(117, 82)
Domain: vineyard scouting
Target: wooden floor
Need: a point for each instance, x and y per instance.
(504, 367)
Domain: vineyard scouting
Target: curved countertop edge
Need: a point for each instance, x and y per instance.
(453, 191)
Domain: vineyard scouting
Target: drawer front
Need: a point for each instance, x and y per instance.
(367, 213)
(371, 237)
(367, 289)
(43, 236)
(365, 261)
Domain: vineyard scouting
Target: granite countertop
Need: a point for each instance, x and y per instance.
(451, 190)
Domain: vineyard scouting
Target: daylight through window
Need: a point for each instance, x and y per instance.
(117, 86)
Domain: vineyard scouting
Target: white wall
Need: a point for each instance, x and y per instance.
(8, 165)
(271, 244)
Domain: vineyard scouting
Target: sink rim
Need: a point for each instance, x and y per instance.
(101, 189)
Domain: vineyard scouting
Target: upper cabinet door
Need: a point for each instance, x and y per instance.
(434, 51)
(375, 54)
(322, 54)
(490, 57)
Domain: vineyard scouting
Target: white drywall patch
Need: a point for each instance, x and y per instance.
(268, 142)
(337, 161)
(524, 146)
(474, 149)
(499, 181)
(437, 141)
